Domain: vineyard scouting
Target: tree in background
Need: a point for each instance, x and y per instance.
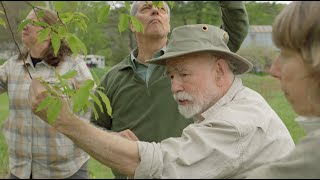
(103, 37)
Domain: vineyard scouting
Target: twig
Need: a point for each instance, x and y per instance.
(12, 34)
(34, 9)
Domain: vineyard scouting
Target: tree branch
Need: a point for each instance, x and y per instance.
(12, 34)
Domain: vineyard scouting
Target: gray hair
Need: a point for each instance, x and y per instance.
(231, 64)
(134, 8)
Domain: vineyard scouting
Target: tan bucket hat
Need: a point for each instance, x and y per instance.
(198, 38)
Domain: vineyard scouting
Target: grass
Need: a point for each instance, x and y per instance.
(267, 86)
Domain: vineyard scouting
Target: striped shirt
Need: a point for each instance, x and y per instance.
(34, 146)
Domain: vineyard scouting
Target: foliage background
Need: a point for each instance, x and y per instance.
(103, 38)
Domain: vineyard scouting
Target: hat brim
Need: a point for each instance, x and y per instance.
(242, 65)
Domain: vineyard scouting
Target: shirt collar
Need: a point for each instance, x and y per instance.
(29, 61)
(134, 54)
(236, 85)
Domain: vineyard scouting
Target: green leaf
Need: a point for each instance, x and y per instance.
(23, 24)
(55, 41)
(40, 14)
(62, 31)
(42, 24)
(80, 14)
(72, 42)
(57, 75)
(44, 103)
(106, 101)
(82, 95)
(76, 45)
(94, 110)
(123, 22)
(66, 17)
(2, 23)
(95, 77)
(138, 26)
(82, 46)
(103, 13)
(1, 12)
(157, 4)
(54, 110)
(69, 74)
(96, 100)
(43, 34)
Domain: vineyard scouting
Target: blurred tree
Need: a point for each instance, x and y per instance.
(103, 37)
(263, 13)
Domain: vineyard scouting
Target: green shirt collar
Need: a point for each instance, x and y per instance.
(134, 54)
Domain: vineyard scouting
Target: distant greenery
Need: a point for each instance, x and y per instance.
(103, 37)
(263, 13)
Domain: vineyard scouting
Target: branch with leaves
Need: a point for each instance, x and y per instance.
(80, 99)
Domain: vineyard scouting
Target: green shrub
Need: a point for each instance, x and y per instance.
(261, 57)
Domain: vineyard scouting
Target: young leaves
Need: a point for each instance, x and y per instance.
(43, 34)
(79, 98)
(138, 26)
(76, 45)
(123, 22)
(106, 101)
(56, 42)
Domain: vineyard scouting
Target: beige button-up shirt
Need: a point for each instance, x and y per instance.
(34, 146)
(239, 133)
(302, 162)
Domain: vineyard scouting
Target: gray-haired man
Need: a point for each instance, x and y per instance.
(234, 129)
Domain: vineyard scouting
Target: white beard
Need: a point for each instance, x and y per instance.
(197, 105)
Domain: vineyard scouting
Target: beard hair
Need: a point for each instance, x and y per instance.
(198, 104)
(188, 110)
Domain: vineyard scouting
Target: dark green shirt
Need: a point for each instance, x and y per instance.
(147, 107)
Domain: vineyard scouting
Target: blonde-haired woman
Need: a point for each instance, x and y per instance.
(36, 150)
(296, 31)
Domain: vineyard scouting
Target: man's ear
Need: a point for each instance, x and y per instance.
(221, 68)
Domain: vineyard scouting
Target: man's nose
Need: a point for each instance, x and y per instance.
(155, 11)
(176, 85)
